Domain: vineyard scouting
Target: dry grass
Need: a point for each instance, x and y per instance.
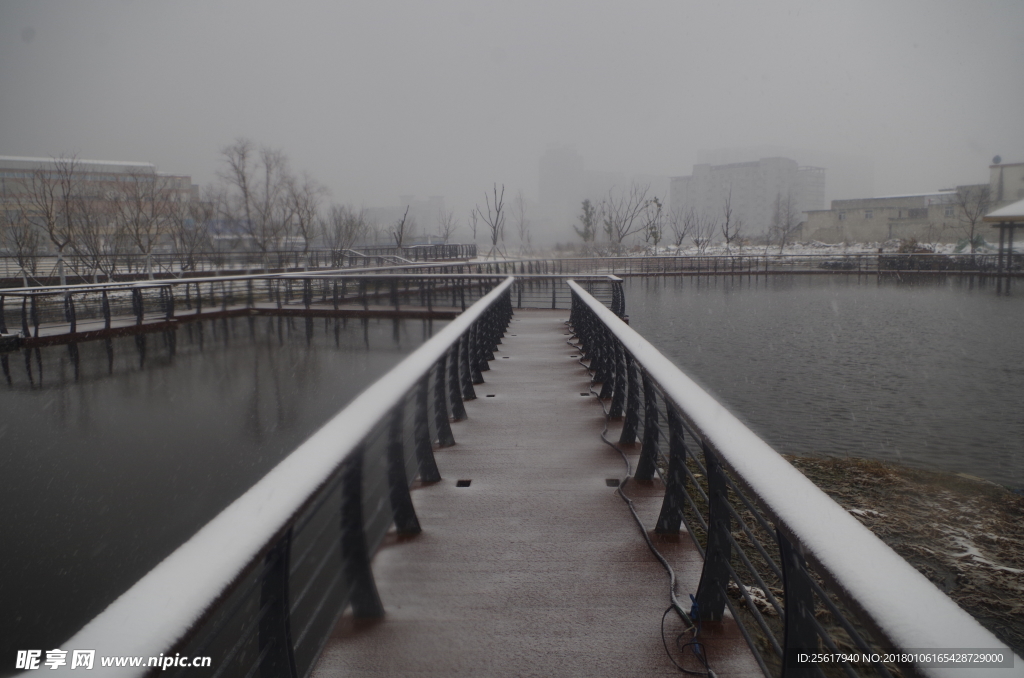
(965, 534)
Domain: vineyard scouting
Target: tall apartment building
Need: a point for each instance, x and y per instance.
(754, 187)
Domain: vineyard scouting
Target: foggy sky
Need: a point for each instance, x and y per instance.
(379, 99)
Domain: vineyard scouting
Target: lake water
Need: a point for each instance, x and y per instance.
(111, 461)
(929, 374)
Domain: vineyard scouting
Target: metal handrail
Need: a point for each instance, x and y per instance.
(240, 571)
(820, 547)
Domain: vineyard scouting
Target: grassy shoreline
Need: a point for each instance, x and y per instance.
(964, 533)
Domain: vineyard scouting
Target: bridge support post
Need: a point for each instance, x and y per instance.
(711, 592)
(106, 309)
(275, 635)
(69, 311)
(170, 303)
(402, 509)
(34, 310)
(671, 516)
(421, 433)
(355, 553)
(801, 634)
(649, 450)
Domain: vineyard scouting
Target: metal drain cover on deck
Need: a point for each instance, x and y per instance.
(462, 483)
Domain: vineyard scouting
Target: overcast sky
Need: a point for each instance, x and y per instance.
(378, 99)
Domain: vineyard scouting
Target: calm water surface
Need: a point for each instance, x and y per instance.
(927, 374)
(108, 466)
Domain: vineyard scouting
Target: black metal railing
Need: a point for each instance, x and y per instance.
(40, 314)
(795, 571)
(261, 586)
(133, 266)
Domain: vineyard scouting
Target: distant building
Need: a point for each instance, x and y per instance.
(1006, 183)
(754, 187)
(926, 217)
(94, 178)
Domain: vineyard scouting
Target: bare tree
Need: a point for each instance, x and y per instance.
(785, 219)
(190, 225)
(141, 206)
(702, 229)
(102, 238)
(972, 203)
(680, 223)
(495, 218)
(447, 224)
(589, 219)
(342, 229)
(403, 228)
(522, 223)
(732, 226)
(258, 204)
(654, 222)
(622, 213)
(19, 235)
(50, 196)
(304, 200)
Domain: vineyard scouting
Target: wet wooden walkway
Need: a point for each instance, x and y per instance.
(537, 567)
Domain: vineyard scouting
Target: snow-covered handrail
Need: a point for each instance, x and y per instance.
(886, 593)
(366, 456)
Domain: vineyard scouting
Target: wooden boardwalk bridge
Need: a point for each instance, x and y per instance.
(537, 567)
(535, 491)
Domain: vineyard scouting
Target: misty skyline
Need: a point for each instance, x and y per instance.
(378, 100)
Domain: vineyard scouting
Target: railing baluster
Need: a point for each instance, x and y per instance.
(355, 552)
(404, 514)
(475, 354)
(277, 656)
(424, 448)
(646, 466)
(801, 635)
(468, 393)
(632, 420)
(711, 592)
(454, 385)
(671, 516)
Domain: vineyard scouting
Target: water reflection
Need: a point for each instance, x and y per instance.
(116, 451)
(928, 374)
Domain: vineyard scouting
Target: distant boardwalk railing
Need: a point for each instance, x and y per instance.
(127, 266)
(799, 573)
(48, 314)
